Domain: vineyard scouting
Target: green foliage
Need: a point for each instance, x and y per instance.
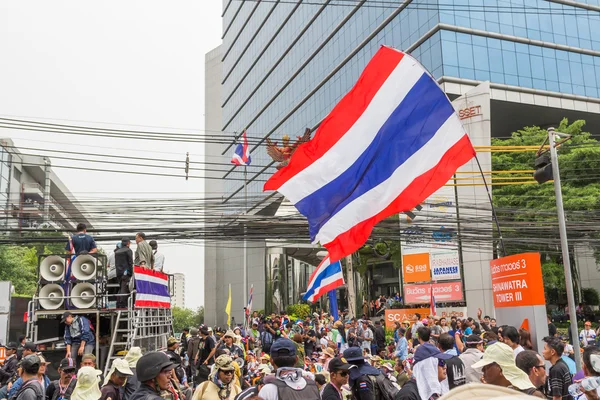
(298, 311)
(187, 318)
(590, 296)
(19, 266)
(522, 203)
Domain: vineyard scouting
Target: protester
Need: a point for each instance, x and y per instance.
(338, 373)
(41, 376)
(288, 382)
(472, 354)
(9, 370)
(159, 258)
(533, 365)
(499, 368)
(124, 271)
(143, 253)
(587, 336)
(401, 345)
(79, 338)
(367, 337)
(559, 377)
(31, 388)
(82, 242)
(64, 386)
(455, 367)
(233, 349)
(115, 379)
(87, 387)
(379, 336)
(153, 372)
(430, 375)
(511, 337)
(362, 377)
(132, 383)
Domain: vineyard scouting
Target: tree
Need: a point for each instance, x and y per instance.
(187, 318)
(527, 213)
(18, 264)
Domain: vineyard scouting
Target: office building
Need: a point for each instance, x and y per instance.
(284, 65)
(32, 196)
(178, 299)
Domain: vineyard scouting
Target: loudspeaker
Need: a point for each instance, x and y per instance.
(52, 268)
(84, 267)
(54, 294)
(83, 295)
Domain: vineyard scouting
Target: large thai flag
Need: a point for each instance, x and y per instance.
(326, 277)
(390, 143)
(241, 155)
(152, 288)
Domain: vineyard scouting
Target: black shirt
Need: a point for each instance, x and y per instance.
(380, 337)
(455, 369)
(559, 379)
(551, 329)
(309, 345)
(206, 346)
(330, 393)
(124, 261)
(409, 391)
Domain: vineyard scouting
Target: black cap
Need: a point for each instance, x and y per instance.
(12, 346)
(125, 240)
(427, 350)
(29, 363)
(339, 364)
(30, 346)
(67, 363)
(283, 347)
(353, 354)
(65, 315)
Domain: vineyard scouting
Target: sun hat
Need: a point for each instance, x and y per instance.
(229, 334)
(480, 391)
(504, 356)
(87, 384)
(133, 355)
(224, 363)
(118, 365)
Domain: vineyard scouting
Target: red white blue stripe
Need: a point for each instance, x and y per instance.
(241, 155)
(390, 143)
(152, 288)
(328, 276)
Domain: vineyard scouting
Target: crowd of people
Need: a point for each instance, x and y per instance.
(319, 357)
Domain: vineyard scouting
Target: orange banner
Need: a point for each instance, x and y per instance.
(399, 315)
(517, 281)
(416, 268)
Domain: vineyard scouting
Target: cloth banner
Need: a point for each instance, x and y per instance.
(152, 288)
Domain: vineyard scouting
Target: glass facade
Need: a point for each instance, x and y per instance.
(279, 56)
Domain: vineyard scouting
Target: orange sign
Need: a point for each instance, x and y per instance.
(517, 281)
(416, 268)
(2, 354)
(400, 315)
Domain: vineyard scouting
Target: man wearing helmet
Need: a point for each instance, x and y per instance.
(153, 371)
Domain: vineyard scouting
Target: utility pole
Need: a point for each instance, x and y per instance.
(350, 284)
(542, 175)
(46, 217)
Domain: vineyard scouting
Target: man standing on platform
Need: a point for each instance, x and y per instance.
(82, 242)
(143, 253)
(124, 271)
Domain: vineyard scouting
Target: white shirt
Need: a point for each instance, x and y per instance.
(111, 268)
(159, 261)
(269, 392)
(587, 336)
(367, 334)
(518, 350)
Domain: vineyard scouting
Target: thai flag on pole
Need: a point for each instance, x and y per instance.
(249, 307)
(152, 288)
(241, 156)
(433, 310)
(390, 143)
(326, 277)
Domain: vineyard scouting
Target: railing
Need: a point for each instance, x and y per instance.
(33, 186)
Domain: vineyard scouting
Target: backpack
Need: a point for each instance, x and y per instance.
(34, 385)
(384, 387)
(267, 340)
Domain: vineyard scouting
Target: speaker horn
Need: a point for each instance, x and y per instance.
(52, 268)
(51, 297)
(84, 267)
(83, 295)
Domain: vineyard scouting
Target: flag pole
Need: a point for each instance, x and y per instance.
(245, 280)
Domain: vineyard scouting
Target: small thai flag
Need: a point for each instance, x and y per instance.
(433, 311)
(241, 156)
(328, 276)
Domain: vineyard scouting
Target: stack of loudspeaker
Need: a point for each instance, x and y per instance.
(82, 283)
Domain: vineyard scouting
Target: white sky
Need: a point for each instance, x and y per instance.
(118, 62)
